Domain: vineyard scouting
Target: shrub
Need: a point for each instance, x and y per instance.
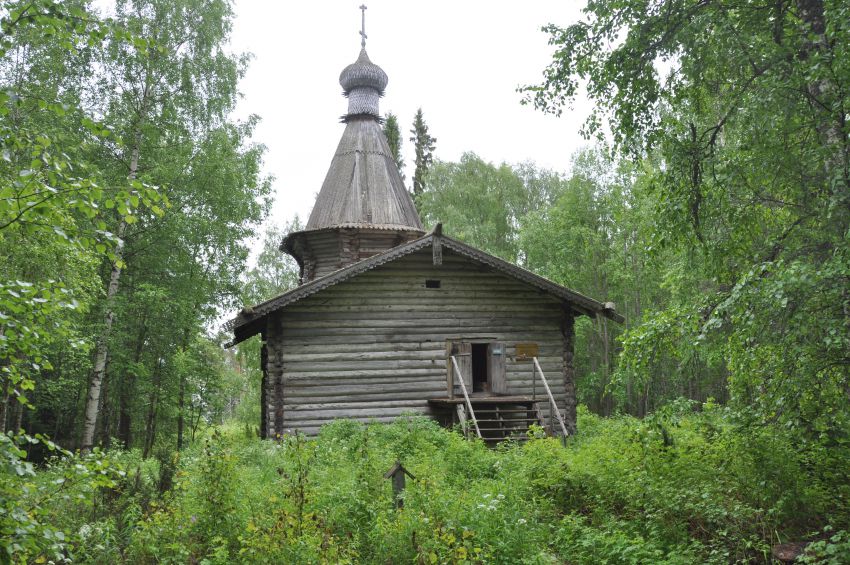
(680, 486)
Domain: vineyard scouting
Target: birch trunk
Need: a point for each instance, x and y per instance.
(19, 418)
(102, 349)
(4, 404)
(105, 410)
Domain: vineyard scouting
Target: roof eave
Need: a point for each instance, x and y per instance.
(251, 315)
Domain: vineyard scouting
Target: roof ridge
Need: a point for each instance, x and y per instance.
(582, 303)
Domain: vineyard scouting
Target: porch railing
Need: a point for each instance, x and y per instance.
(465, 397)
(553, 406)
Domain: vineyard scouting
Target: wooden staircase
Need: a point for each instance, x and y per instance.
(506, 418)
(498, 417)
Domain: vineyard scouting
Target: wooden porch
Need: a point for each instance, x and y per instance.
(491, 416)
(498, 417)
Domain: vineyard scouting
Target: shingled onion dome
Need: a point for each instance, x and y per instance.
(363, 207)
(363, 83)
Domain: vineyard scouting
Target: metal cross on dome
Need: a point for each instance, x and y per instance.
(363, 27)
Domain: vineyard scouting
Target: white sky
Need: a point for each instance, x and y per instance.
(460, 61)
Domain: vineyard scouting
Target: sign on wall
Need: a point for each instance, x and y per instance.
(525, 351)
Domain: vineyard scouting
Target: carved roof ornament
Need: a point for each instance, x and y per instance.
(363, 26)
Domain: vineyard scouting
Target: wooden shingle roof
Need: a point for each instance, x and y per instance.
(363, 186)
(249, 320)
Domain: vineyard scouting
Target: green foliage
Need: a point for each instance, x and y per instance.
(216, 495)
(485, 205)
(833, 550)
(750, 191)
(275, 272)
(609, 540)
(473, 199)
(97, 113)
(33, 525)
(677, 487)
(393, 134)
(54, 202)
(593, 238)
(423, 148)
(720, 230)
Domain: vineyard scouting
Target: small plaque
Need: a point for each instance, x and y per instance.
(525, 351)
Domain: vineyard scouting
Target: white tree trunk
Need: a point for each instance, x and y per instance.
(102, 349)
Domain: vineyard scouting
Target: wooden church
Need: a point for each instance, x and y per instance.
(390, 319)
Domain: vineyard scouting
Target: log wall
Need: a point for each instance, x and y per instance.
(374, 347)
(325, 251)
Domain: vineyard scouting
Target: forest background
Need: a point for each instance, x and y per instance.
(716, 216)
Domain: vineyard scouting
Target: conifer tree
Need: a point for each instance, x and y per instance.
(424, 146)
(393, 135)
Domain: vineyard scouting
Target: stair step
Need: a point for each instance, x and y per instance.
(495, 404)
(498, 421)
(515, 437)
(512, 424)
(499, 404)
(506, 420)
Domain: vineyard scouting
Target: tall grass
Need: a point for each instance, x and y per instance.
(678, 487)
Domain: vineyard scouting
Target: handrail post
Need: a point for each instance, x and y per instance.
(466, 396)
(461, 418)
(553, 406)
(451, 384)
(533, 383)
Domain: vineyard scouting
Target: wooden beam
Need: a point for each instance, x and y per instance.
(437, 245)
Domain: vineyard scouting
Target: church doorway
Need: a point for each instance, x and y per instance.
(481, 365)
(480, 372)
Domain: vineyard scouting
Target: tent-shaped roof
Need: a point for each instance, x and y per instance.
(249, 322)
(363, 186)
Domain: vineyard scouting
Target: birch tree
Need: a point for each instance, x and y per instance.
(52, 196)
(176, 83)
(744, 105)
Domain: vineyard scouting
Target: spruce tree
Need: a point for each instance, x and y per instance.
(393, 135)
(424, 146)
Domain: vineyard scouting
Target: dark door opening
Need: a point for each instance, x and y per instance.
(480, 380)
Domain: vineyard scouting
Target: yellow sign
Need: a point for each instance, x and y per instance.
(525, 351)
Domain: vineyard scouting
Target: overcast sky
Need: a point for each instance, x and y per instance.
(461, 61)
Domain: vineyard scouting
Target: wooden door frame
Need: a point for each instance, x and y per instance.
(489, 340)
